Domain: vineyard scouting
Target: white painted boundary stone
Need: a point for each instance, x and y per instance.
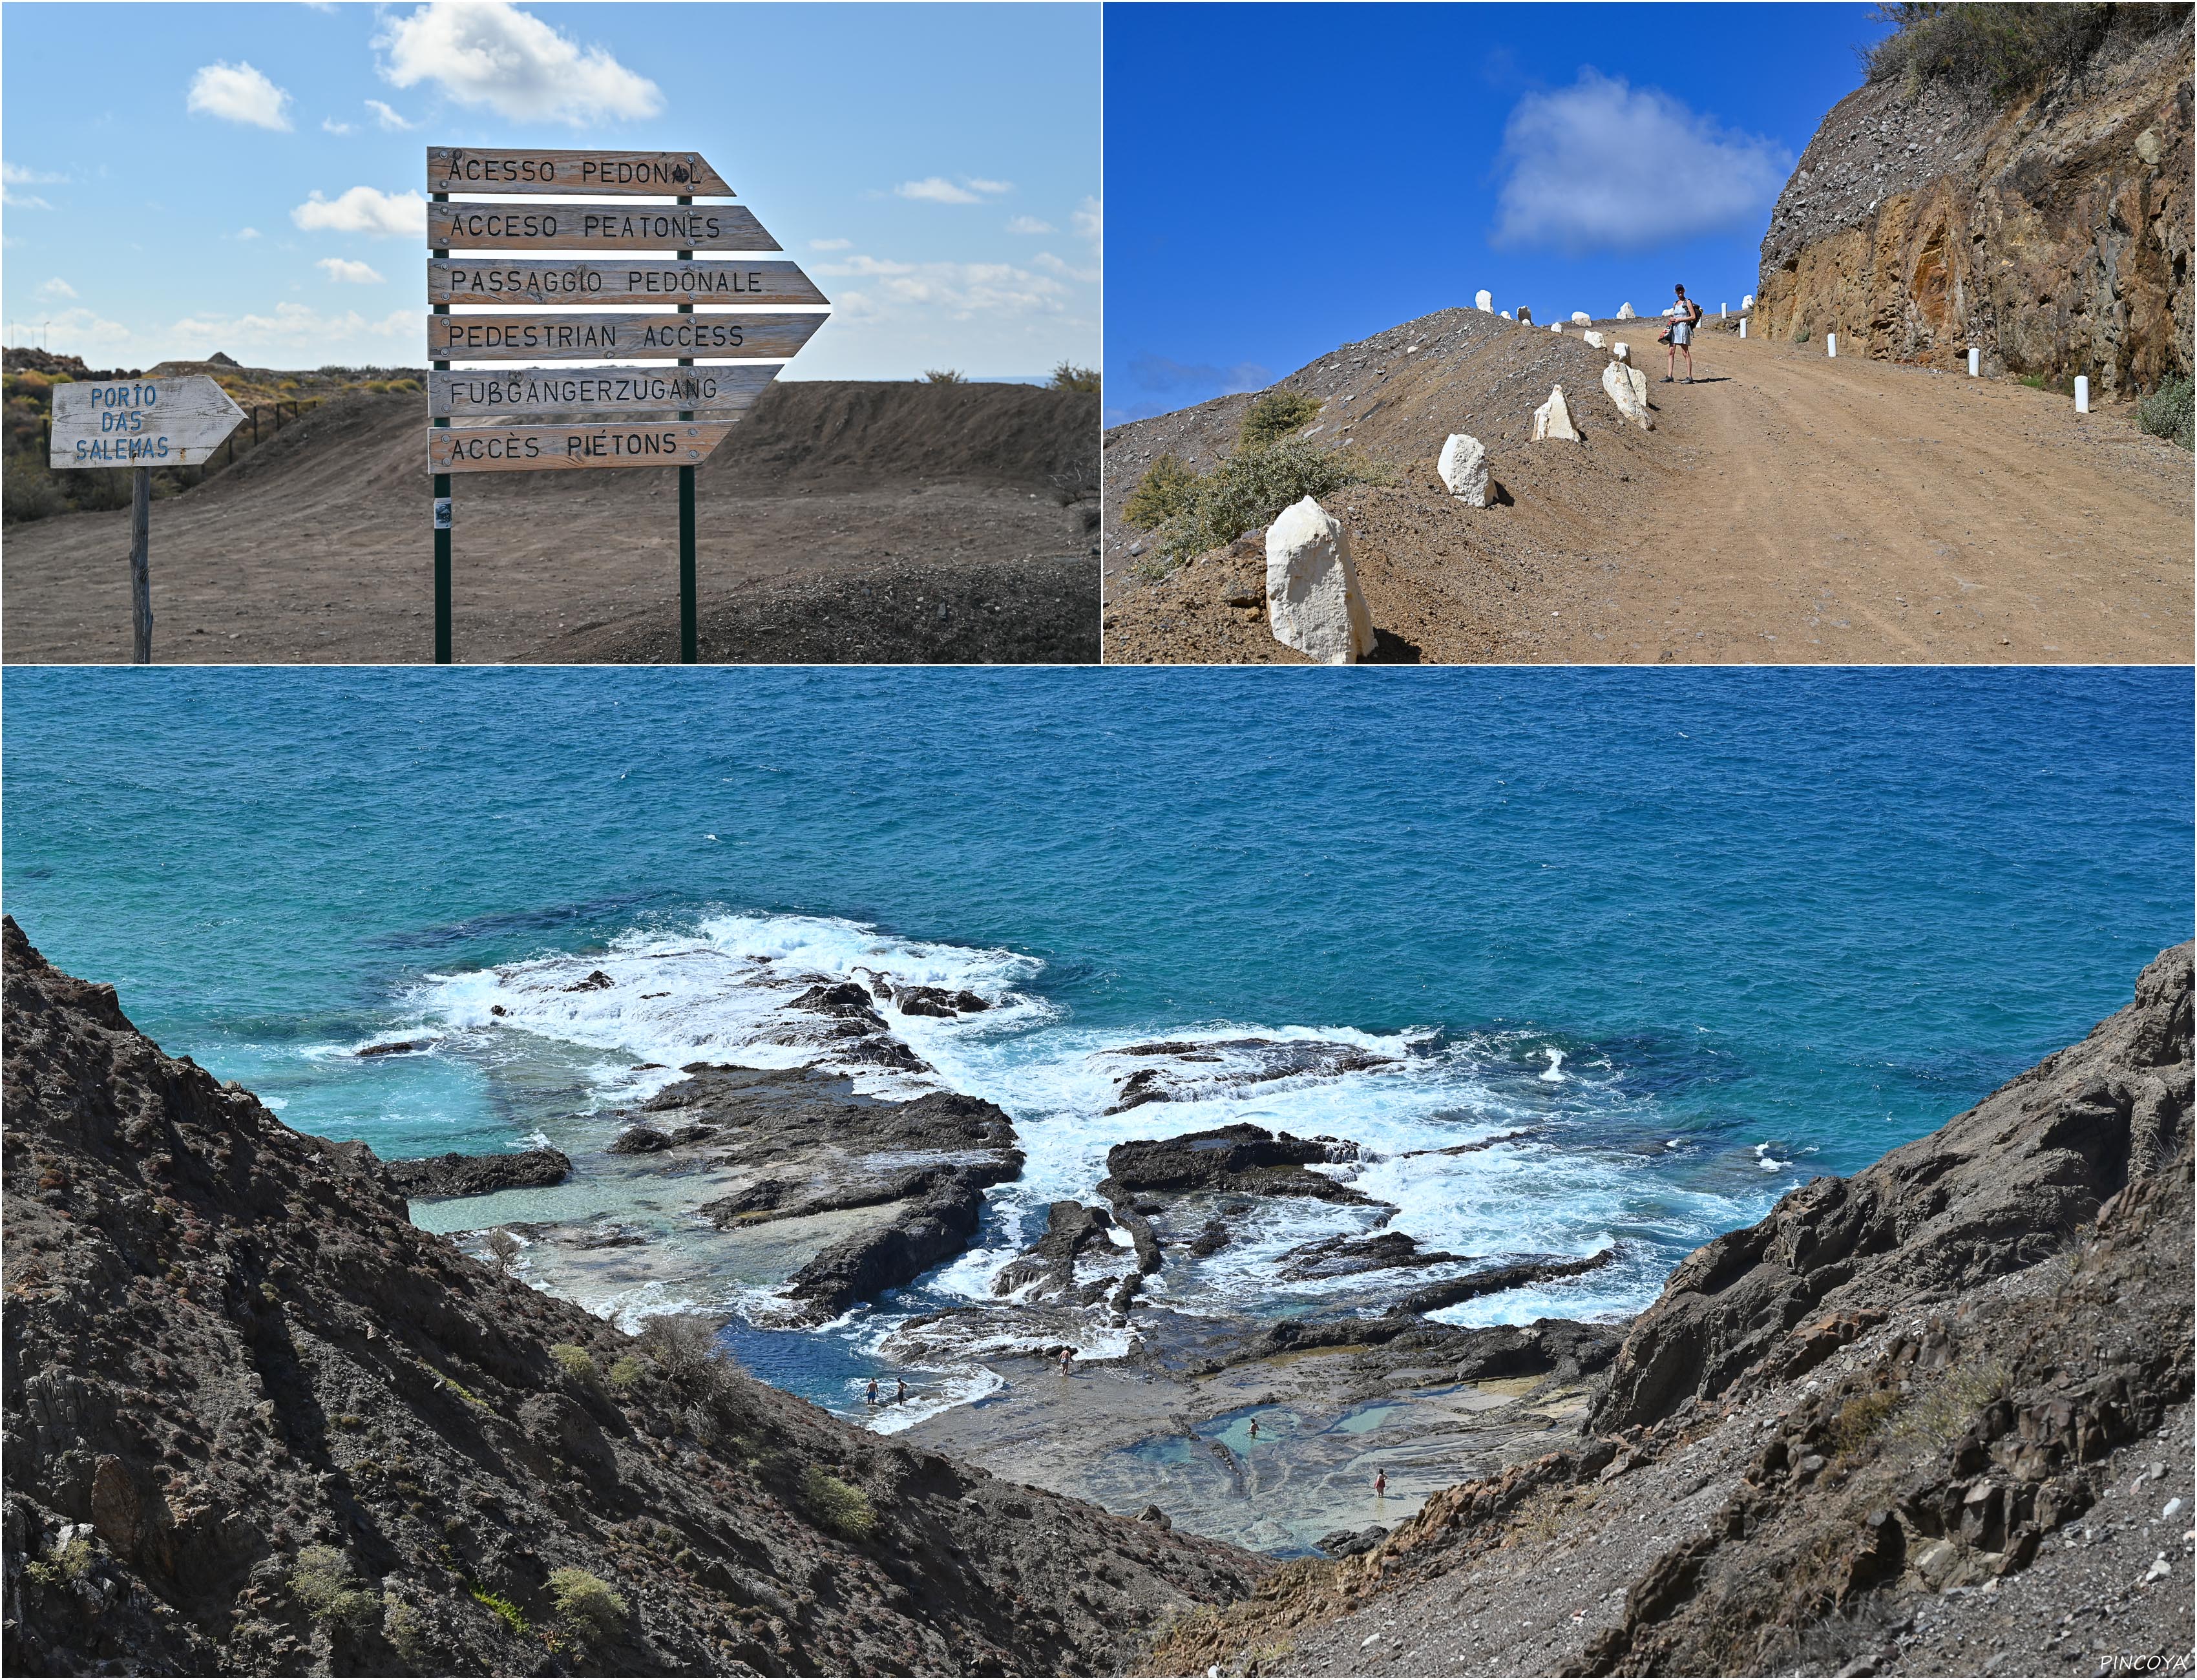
(1621, 350)
(1625, 312)
(2082, 393)
(1553, 419)
(1723, 309)
(1581, 318)
(1595, 340)
(1484, 301)
(1464, 469)
(1312, 600)
(1975, 359)
(1556, 326)
(1742, 326)
(1505, 314)
(1628, 388)
(1747, 302)
(1830, 344)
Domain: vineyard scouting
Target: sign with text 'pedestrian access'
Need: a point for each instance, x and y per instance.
(616, 411)
(141, 422)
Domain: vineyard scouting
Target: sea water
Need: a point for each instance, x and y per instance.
(1676, 941)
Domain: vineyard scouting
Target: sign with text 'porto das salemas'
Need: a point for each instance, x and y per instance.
(608, 315)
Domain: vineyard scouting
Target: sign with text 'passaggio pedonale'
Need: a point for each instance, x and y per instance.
(587, 326)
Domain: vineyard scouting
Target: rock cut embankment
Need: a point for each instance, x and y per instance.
(2052, 230)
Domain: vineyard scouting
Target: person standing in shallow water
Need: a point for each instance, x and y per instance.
(1381, 1485)
(1679, 335)
(873, 1391)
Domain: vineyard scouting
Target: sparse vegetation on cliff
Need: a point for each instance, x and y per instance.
(1274, 416)
(2005, 49)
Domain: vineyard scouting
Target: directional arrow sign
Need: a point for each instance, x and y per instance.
(177, 422)
(670, 175)
(604, 338)
(594, 227)
(539, 392)
(636, 279)
(530, 448)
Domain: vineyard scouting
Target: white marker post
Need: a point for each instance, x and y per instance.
(1975, 361)
(2082, 393)
(1830, 344)
(140, 424)
(1742, 326)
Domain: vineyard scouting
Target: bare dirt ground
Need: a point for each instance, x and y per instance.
(833, 524)
(1790, 507)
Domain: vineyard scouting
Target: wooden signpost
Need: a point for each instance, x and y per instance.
(140, 424)
(619, 411)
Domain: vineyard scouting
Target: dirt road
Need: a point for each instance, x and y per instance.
(1852, 510)
(1790, 507)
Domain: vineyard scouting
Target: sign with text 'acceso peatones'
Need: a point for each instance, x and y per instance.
(609, 413)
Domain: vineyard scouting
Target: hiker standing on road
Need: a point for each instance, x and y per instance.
(1679, 335)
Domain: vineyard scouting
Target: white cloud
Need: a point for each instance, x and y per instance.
(488, 52)
(365, 210)
(1090, 223)
(1030, 225)
(16, 201)
(330, 125)
(993, 188)
(84, 329)
(831, 245)
(247, 232)
(936, 189)
(343, 268)
(960, 291)
(236, 93)
(57, 287)
(292, 330)
(1052, 265)
(388, 118)
(1603, 166)
(14, 175)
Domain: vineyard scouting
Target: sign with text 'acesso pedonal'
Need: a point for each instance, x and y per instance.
(552, 309)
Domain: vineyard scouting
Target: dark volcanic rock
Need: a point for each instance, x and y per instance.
(638, 1140)
(1248, 1062)
(394, 1047)
(1050, 1262)
(1997, 1189)
(477, 1175)
(597, 981)
(1242, 1157)
(1349, 1542)
(1347, 1256)
(1436, 1296)
(226, 1344)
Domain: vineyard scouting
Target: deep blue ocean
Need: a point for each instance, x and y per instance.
(1697, 934)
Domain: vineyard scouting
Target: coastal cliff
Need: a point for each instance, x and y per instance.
(2048, 225)
(1932, 1419)
(256, 1422)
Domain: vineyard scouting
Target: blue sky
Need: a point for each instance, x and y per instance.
(1286, 178)
(184, 178)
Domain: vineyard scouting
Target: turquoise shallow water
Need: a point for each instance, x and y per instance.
(1704, 933)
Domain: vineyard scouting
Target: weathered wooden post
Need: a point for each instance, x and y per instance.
(140, 424)
(491, 419)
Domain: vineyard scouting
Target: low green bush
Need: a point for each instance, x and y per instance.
(839, 1506)
(1273, 417)
(943, 376)
(575, 1363)
(2004, 49)
(2169, 412)
(506, 1611)
(67, 1564)
(322, 1583)
(1245, 492)
(586, 1601)
(29, 491)
(1168, 489)
(1069, 377)
(626, 1371)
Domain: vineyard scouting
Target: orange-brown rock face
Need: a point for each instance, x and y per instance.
(2053, 233)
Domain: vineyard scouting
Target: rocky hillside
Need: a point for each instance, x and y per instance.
(255, 1422)
(1933, 1419)
(2050, 226)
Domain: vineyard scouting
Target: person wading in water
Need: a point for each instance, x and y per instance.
(1679, 335)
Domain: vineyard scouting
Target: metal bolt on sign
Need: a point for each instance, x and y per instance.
(622, 341)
